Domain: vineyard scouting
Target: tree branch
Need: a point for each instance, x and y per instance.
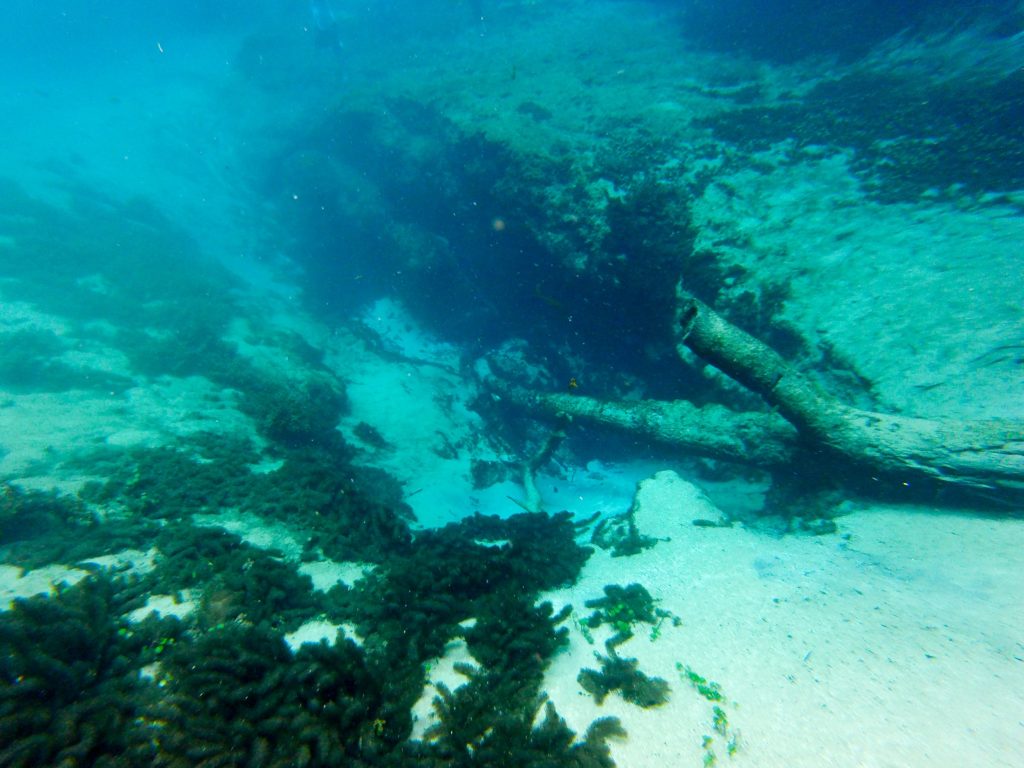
(972, 455)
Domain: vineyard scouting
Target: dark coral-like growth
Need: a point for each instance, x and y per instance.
(623, 675)
(37, 528)
(623, 607)
(488, 569)
(341, 706)
(512, 634)
(24, 514)
(208, 474)
(296, 413)
(540, 552)
(221, 690)
(348, 512)
(238, 696)
(621, 536)
(229, 692)
(478, 726)
(69, 666)
(239, 581)
(415, 603)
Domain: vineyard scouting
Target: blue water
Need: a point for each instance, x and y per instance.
(293, 291)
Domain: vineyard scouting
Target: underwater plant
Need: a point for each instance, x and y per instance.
(621, 536)
(624, 607)
(238, 696)
(624, 676)
(28, 515)
(70, 670)
(470, 731)
(720, 725)
(221, 686)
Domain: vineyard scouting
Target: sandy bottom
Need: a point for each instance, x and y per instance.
(900, 645)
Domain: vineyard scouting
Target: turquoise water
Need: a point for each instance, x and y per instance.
(517, 383)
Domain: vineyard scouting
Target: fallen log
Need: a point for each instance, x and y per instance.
(711, 431)
(984, 455)
(809, 434)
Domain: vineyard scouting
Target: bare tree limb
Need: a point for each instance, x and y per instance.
(973, 455)
(532, 501)
(712, 431)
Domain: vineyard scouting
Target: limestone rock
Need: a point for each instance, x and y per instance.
(665, 506)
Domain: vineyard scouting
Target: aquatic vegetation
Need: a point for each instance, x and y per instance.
(30, 361)
(445, 577)
(347, 512)
(733, 744)
(140, 267)
(411, 607)
(230, 695)
(296, 413)
(624, 676)
(148, 482)
(229, 691)
(710, 690)
(511, 633)
(370, 435)
(720, 725)
(621, 536)
(238, 696)
(933, 147)
(624, 607)
(28, 513)
(486, 473)
(584, 630)
(38, 528)
(469, 733)
(720, 722)
(239, 582)
(69, 666)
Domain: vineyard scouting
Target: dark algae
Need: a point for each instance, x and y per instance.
(222, 687)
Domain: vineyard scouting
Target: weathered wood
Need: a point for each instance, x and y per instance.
(712, 431)
(984, 455)
(533, 501)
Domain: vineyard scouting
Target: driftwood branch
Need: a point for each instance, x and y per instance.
(983, 455)
(711, 431)
(532, 501)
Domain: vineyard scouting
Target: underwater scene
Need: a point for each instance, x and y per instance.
(521, 383)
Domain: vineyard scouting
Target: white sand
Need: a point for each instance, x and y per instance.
(265, 534)
(440, 671)
(16, 582)
(326, 573)
(319, 631)
(168, 605)
(417, 401)
(39, 430)
(900, 647)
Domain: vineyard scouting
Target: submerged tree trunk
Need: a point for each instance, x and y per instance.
(983, 455)
(809, 432)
